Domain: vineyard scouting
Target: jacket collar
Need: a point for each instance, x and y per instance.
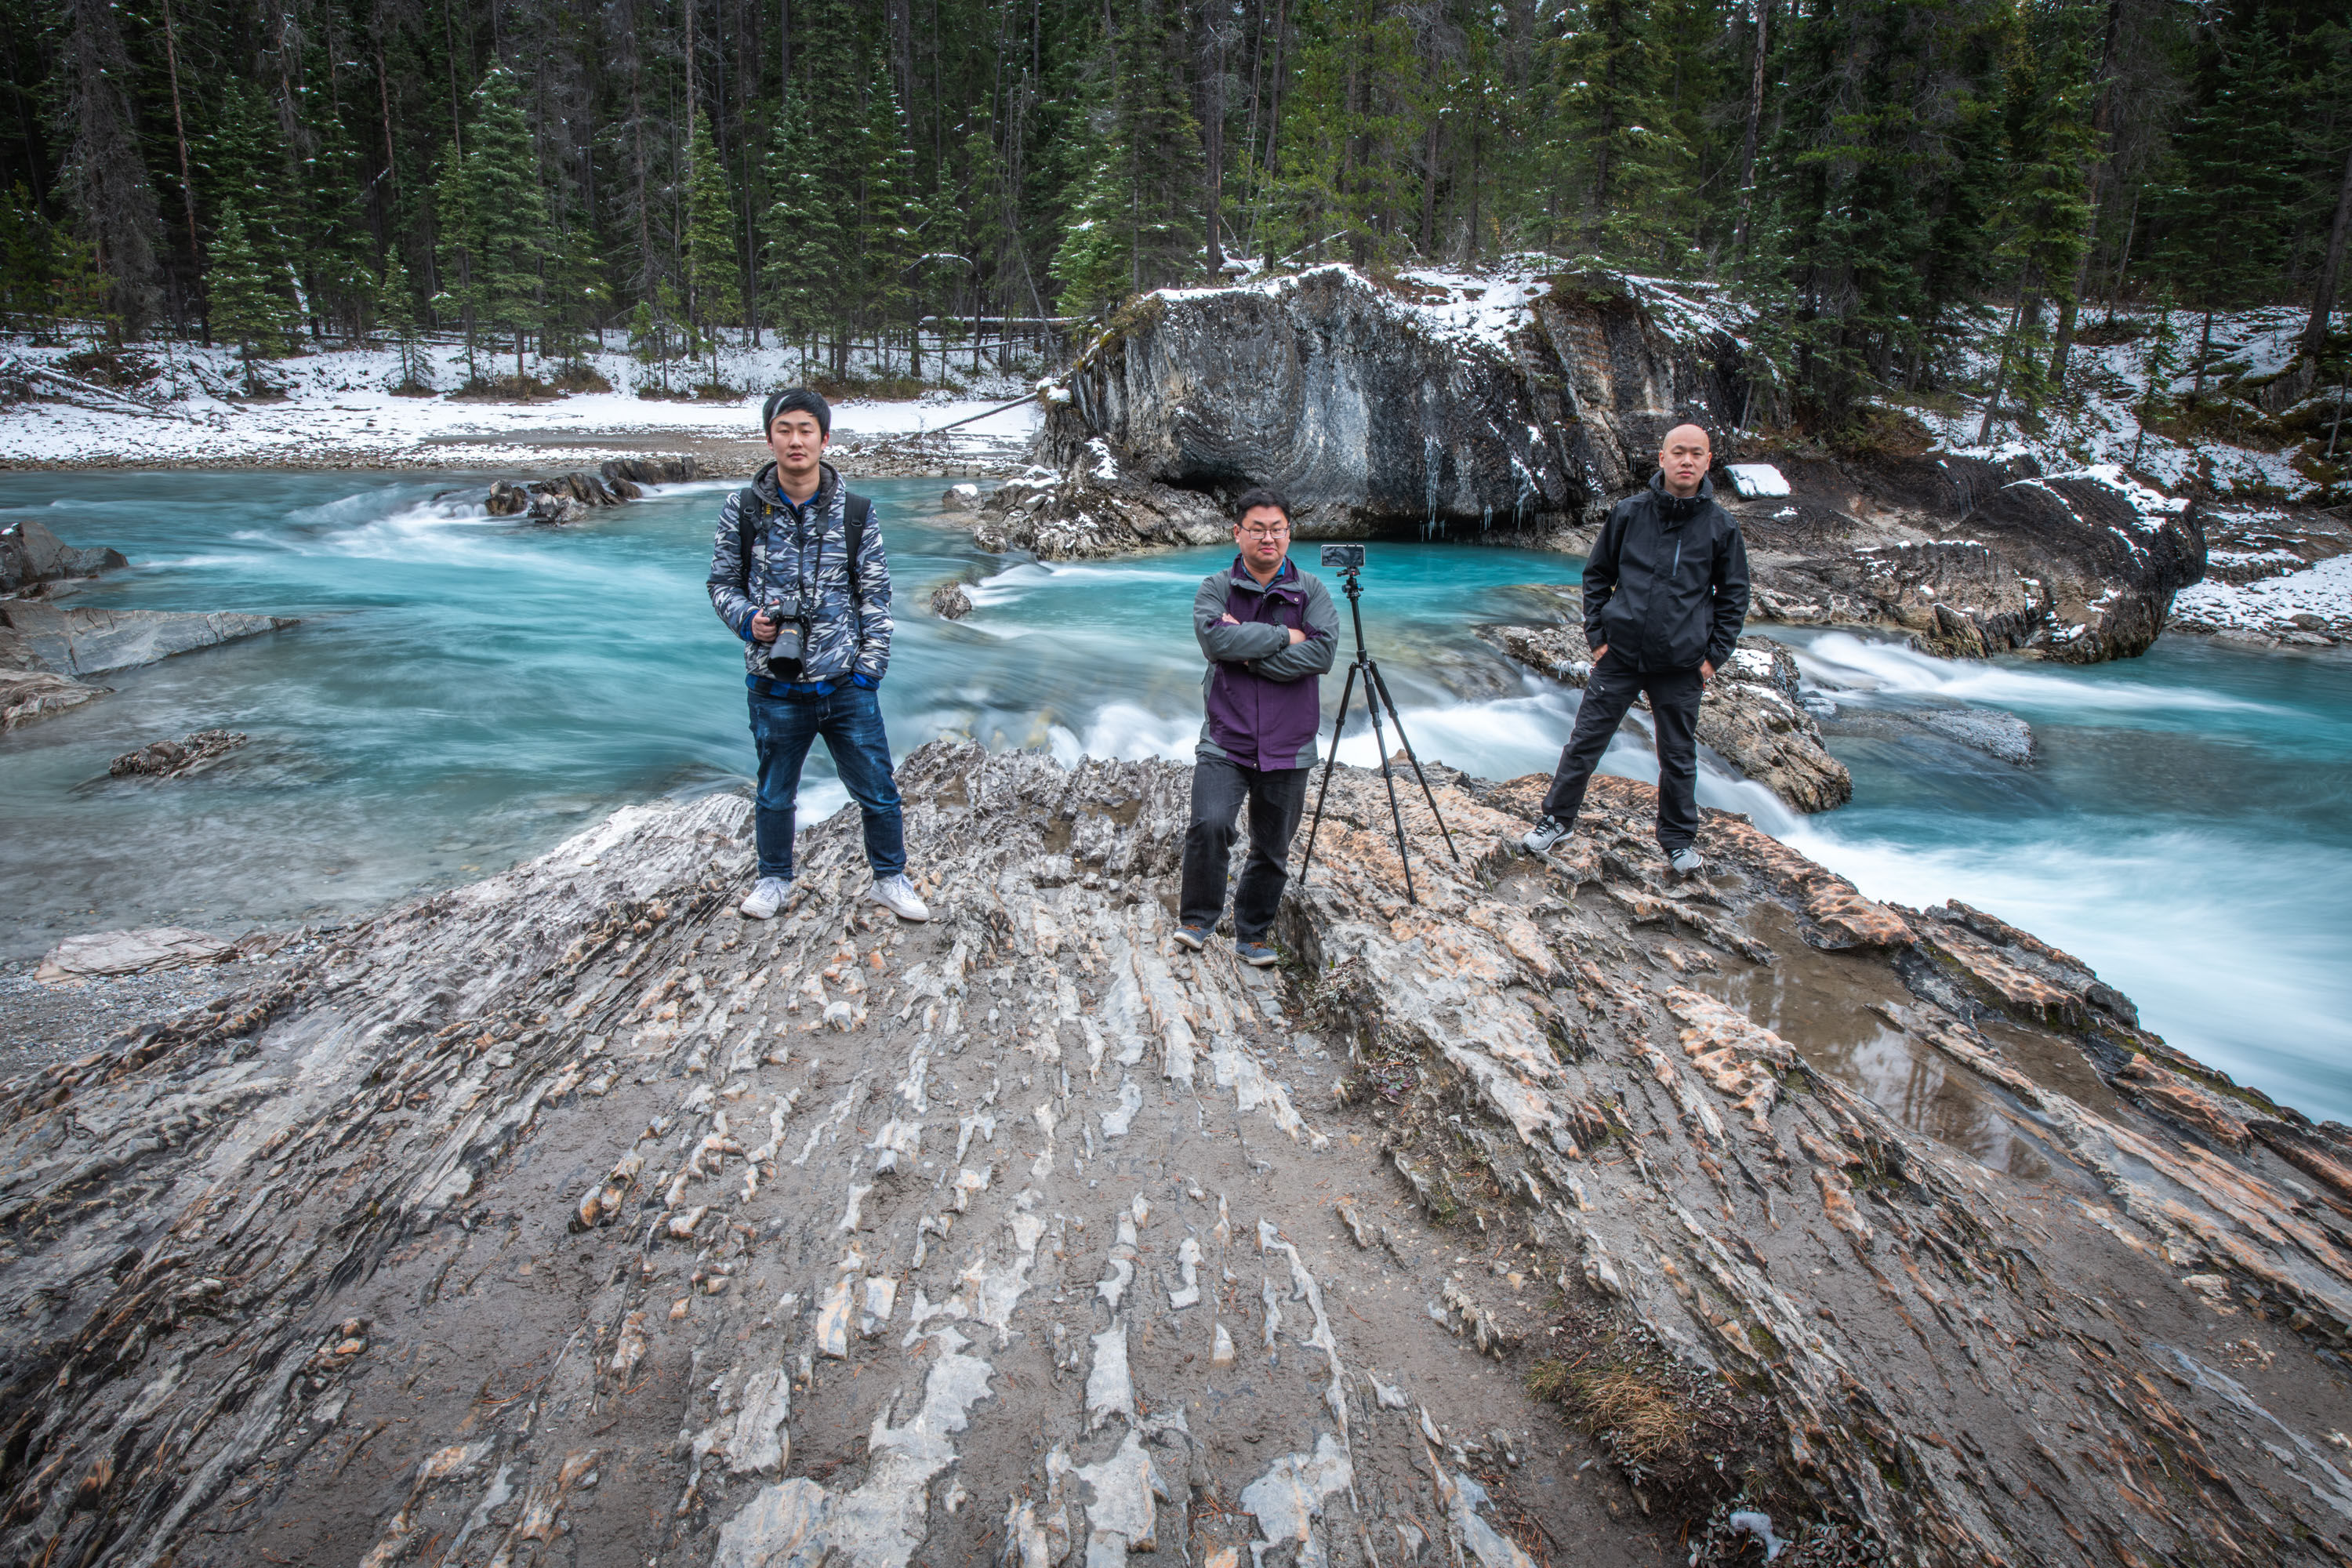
(1672, 509)
(828, 482)
(1285, 579)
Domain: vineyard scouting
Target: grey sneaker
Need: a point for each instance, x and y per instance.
(1547, 832)
(1686, 862)
(1257, 954)
(898, 895)
(1194, 937)
(766, 897)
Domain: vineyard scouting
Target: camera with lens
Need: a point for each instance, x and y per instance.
(1344, 557)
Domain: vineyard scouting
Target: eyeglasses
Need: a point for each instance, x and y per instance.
(1277, 531)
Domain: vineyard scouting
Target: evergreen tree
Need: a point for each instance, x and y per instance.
(1356, 108)
(2225, 183)
(395, 311)
(1139, 194)
(2160, 361)
(714, 290)
(802, 268)
(248, 310)
(27, 263)
(1616, 126)
(244, 161)
(493, 219)
(889, 214)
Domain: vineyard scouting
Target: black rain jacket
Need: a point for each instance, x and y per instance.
(1666, 583)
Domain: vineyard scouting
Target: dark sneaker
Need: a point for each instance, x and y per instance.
(1686, 862)
(1547, 832)
(1194, 937)
(1257, 954)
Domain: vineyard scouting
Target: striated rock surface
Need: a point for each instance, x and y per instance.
(1439, 404)
(568, 1217)
(79, 641)
(2076, 568)
(131, 952)
(26, 694)
(1750, 714)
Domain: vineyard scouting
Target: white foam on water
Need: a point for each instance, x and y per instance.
(1846, 665)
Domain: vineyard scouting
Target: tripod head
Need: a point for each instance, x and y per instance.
(1347, 560)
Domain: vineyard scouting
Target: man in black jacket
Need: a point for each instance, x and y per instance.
(1666, 590)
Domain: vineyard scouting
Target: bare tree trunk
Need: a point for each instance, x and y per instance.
(107, 178)
(2061, 346)
(1212, 136)
(2331, 268)
(180, 129)
(1754, 122)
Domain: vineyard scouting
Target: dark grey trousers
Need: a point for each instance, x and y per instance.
(1275, 797)
(1673, 713)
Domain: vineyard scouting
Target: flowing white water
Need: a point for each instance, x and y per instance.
(464, 690)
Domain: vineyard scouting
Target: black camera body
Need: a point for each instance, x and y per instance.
(1343, 557)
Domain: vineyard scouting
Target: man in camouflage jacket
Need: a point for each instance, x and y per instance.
(799, 573)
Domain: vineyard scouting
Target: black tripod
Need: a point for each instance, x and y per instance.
(1376, 697)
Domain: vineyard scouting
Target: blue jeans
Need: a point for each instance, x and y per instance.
(850, 720)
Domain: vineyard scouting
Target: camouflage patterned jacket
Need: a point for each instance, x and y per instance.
(798, 557)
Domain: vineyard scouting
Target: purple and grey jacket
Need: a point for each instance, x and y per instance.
(1264, 702)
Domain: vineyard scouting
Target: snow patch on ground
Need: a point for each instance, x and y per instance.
(339, 411)
(1755, 480)
(2308, 607)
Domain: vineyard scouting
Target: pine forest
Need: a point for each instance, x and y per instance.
(1883, 182)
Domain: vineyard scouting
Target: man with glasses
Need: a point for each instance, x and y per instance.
(1268, 631)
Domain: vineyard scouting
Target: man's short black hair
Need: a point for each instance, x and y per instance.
(1256, 497)
(790, 399)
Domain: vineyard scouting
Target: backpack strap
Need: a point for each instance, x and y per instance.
(751, 511)
(854, 510)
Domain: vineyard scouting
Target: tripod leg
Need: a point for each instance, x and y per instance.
(1396, 813)
(1380, 684)
(1338, 729)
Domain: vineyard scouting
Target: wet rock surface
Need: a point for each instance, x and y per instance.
(1024, 1233)
(30, 554)
(1972, 558)
(78, 640)
(1750, 714)
(949, 602)
(191, 753)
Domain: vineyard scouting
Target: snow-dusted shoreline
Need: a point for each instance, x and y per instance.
(337, 413)
(2310, 608)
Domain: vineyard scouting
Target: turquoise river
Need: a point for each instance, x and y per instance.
(463, 691)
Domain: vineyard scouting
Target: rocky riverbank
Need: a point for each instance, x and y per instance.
(1519, 408)
(1495, 1227)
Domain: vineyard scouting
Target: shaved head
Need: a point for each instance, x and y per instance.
(1684, 458)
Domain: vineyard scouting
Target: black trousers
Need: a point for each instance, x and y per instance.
(1673, 713)
(1275, 797)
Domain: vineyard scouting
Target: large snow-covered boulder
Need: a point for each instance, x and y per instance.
(1439, 404)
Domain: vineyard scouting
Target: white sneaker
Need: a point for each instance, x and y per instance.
(766, 897)
(1686, 862)
(1547, 832)
(898, 895)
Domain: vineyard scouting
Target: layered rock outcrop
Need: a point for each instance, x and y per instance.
(1521, 404)
(1751, 713)
(1025, 1232)
(48, 650)
(569, 498)
(1972, 559)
